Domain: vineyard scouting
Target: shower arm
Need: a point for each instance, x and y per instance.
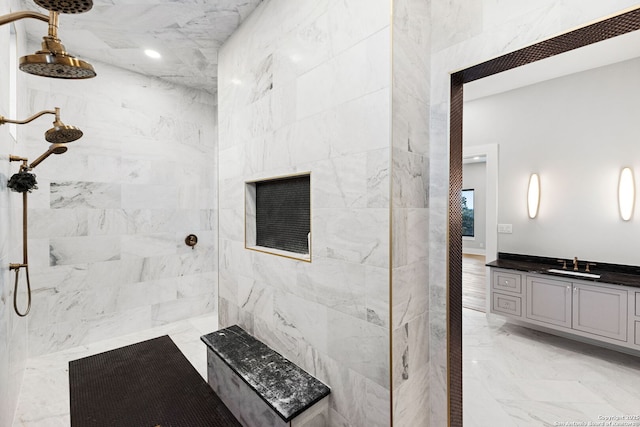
(4, 120)
(15, 16)
(52, 20)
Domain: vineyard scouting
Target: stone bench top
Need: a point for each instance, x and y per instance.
(280, 383)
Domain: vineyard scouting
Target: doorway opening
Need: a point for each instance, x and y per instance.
(593, 33)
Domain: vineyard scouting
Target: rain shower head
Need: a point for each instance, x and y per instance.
(66, 6)
(62, 134)
(53, 60)
(57, 65)
(59, 133)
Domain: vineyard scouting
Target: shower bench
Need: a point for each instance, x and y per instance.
(260, 386)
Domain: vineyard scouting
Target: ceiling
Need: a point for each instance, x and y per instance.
(187, 33)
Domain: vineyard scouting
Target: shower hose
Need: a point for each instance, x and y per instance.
(24, 264)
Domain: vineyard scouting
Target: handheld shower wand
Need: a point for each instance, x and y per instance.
(23, 182)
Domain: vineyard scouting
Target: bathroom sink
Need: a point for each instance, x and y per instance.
(574, 273)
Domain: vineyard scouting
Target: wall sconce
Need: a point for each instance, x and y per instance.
(626, 194)
(533, 195)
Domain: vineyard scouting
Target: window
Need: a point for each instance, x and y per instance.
(467, 213)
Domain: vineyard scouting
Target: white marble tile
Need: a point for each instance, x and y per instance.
(340, 182)
(57, 223)
(80, 250)
(85, 195)
(359, 345)
(411, 55)
(336, 285)
(303, 320)
(147, 245)
(337, 80)
(377, 295)
(106, 222)
(136, 295)
(411, 123)
(411, 397)
(149, 197)
(378, 178)
(351, 22)
(410, 180)
(347, 398)
(410, 292)
(352, 235)
(182, 308)
(102, 274)
(256, 298)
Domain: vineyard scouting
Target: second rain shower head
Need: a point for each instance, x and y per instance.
(59, 133)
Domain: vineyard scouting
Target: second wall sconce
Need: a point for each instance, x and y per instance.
(626, 194)
(533, 195)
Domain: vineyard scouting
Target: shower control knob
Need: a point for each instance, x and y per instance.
(191, 240)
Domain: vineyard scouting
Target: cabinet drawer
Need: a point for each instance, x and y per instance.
(506, 304)
(637, 303)
(509, 282)
(637, 341)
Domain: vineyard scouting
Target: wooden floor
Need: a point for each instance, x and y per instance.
(474, 282)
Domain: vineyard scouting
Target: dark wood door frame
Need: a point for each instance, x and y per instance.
(605, 29)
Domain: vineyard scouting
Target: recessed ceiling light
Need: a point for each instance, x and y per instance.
(152, 53)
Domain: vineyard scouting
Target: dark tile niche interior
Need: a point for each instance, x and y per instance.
(283, 214)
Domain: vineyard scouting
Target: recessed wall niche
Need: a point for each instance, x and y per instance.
(278, 216)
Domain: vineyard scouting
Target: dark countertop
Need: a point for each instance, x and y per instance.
(614, 274)
(280, 383)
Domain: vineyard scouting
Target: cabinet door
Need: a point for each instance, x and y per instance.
(549, 301)
(600, 311)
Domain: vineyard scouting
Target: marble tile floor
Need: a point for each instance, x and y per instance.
(515, 376)
(44, 398)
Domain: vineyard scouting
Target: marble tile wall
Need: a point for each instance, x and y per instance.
(108, 222)
(464, 33)
(13, 329)
(410, 211)
(305, 86)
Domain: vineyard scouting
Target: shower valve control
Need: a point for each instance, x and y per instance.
(191, 240)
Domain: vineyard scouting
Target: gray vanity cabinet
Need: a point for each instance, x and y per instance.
(549, 301)
(600, 311)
